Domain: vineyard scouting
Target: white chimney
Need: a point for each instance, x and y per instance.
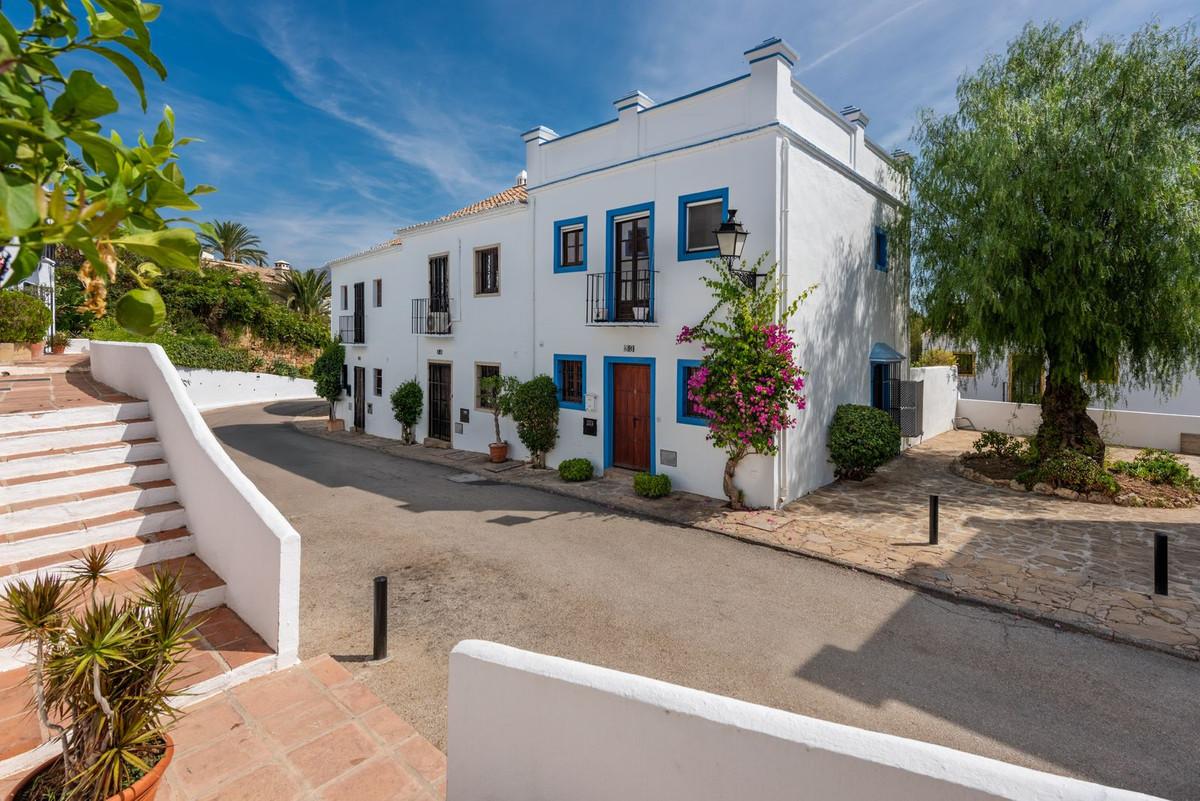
(522, 178)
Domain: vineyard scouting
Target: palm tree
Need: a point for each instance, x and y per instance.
(234, 242)
(307, 293)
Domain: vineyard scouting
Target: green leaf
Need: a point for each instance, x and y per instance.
(171, 247)
(165, 134)
(127, 67)
(18, 207)
(142, 51)
(101, 152)
(85, 97)
(128, 12)
(161, 193)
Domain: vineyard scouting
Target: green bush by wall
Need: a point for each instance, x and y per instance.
(861, 438)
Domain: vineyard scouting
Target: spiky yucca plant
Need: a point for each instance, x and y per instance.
(106, 669)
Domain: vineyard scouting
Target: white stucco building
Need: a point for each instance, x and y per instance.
(590, 265)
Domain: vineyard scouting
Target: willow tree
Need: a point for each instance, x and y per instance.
(1056, 214)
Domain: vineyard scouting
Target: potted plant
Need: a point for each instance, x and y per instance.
(407, 403)
(58, 342)
(498, 392)
(327, 377)
(104, 676)
(534, 408)
(23, 322)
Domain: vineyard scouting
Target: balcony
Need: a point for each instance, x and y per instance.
(352, 329)
(431, 316)
(621, 299)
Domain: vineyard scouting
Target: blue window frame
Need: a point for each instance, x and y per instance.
(683, 371)
(685, 201)
(572, 381)
(610, 220)
(573, 265)
(609, 361)
(881, 254)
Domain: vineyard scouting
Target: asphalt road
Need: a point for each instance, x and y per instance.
(558, 576)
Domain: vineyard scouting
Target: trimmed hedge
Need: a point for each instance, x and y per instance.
(23, 318)
(575, 469)
(649, 486)
(861, 438)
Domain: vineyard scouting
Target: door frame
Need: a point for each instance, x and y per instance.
(449, 400)
(360, 398)
(609, 361)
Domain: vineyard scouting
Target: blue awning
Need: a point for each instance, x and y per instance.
(884, 353)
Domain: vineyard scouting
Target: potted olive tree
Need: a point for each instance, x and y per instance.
(534, 408)
(407, 402)
(104, 676)
(23, 323)
(497, 393)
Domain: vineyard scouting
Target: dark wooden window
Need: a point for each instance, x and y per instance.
(378, 381)
(345, 298)
(703, 219)
(690, 407)
(377, 292)
(487, 271)
(485, 398)
(439, 284)
(632, 268)
(571, 247)
(570, 380)
(966, 363)
(346, 378)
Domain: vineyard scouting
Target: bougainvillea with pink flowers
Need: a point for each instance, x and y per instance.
(748, 386)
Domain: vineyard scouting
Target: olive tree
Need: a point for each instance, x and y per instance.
(1055, 215)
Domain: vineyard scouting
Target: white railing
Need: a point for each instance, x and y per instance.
(238, 532)
(527, 727)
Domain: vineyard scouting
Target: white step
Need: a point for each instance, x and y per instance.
(54, 439)
(127, 555)
(113, 475)
(94, 532)
(81, 415)
(82, 508)
(89, 456)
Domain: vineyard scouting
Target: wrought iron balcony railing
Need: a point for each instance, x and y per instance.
(352, 329)
(625, 298)
(431, 316)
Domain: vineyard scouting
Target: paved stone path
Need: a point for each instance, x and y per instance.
(1081, 565)
(309, 733)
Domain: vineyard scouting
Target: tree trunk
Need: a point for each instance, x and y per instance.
(496, 420)
(734, 494)
(1065, 422)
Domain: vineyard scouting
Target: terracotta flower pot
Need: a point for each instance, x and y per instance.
(58, 350)
(36, 349)
(498, 451)
(144, 789)
(336, 424)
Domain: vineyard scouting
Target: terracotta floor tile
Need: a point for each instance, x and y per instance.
(379, 780)
(277, 693)
(328, 670)
(424, 757)
(200, 771)
(332, 755)
(387, 725)
(268, 783)
(244, 651)
(301, 724)
(205, 722)
(20, 733)
(356, 696)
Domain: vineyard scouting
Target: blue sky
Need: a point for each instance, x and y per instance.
(328, 124)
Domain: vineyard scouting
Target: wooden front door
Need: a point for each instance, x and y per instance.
(360, 398)
(631, 416)
(439, 401)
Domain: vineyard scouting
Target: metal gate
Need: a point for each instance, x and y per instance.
(439, 401)
(905, 399)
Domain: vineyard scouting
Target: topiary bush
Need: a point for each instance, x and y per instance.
(23, 318)
(575, 469)
(327, 373)
(1159, 467)
(408, 401)
(861, 438)
(1071, 470)
(650, 486)
(534, 408)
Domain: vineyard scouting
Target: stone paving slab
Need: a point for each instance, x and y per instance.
(1079, 565)
(309, 733)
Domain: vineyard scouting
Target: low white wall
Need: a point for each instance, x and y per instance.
(216, 389)
(238, 532)
(527, 727)
(940, 399)
(1117, 427)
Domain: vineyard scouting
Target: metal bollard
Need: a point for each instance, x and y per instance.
(380, 638)
(1160, 563)
(933, 520)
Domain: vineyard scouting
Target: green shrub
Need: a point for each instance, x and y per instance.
(1072, 470)
(534, 407)
(282, 326)
(861, 438)
(200, 351)
(575, 469)
(650, 486)
(327, 373)
(997, 443)
(408, 401)
(23, 318)
(936, 357)
(1159, 467)
(284, 368)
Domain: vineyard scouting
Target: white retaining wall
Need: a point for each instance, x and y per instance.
(939, 402)
(527, 727)
(216, 389)
(1117, 427)
(238, 532)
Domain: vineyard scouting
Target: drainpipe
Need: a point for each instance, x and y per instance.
(784, 153)
(532, 201)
